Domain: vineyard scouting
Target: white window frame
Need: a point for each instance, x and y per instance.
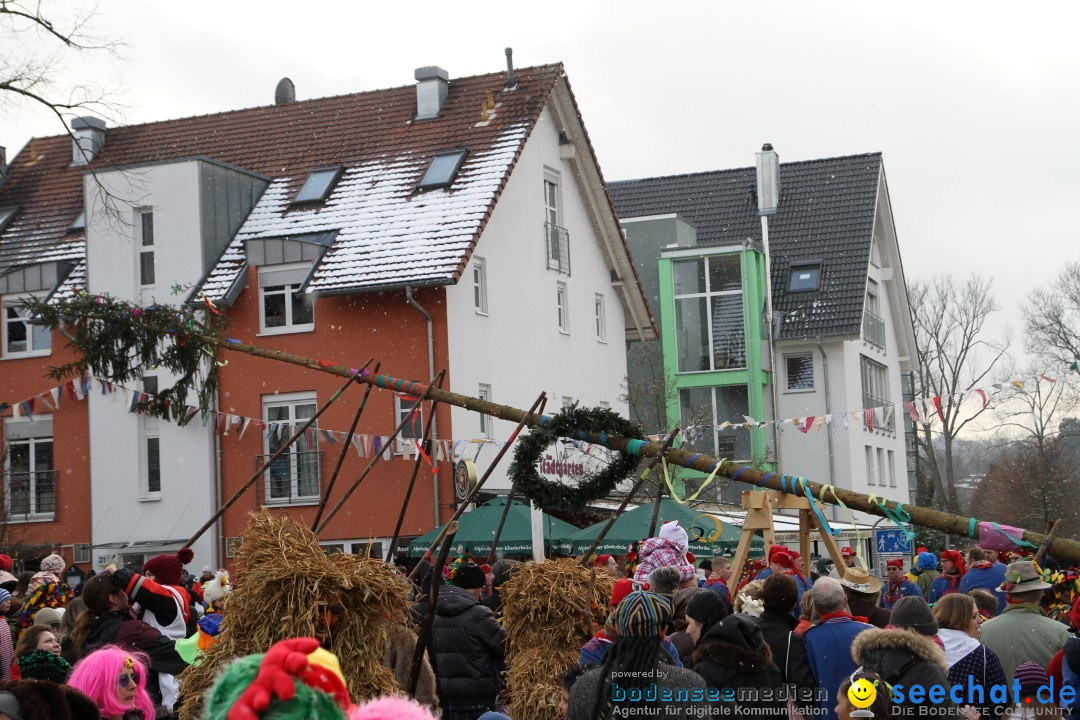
(487, 423)
(32, 443)
(870, 459)
(891, 458)
(708, 296)
(291, 401)
(553, 214)
(402, 441)
(289, 291)
(480, 288)
(600, 309)
(145, 493)
(146, 249)
(787, 377)
(562, 305)
(567, 402)
(882, 472)
(873, 296)
(12, 301)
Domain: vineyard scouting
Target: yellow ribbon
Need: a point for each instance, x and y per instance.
(675, 495)
(859, 553)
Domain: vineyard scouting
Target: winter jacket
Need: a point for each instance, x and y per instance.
(734, 654)
(904, 658)
(778, 629)
(988, 578)
(469, 647)
(119, 628)
(866, 605)
(828, 650)
(1023, 634)
(1070, 671)
(925, 580)
(400, 646)
(583, 694)
(493, 601)
(593, 652)
(943, 585)
(905, 588)
(972, 663)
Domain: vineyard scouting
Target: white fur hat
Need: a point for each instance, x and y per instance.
(671, 531)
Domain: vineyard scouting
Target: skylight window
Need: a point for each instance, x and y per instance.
(318, 185)
(79, 223)
(6, 214)
(443, 169)
(804, 277)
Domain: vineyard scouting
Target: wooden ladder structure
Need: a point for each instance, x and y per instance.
(759, 507)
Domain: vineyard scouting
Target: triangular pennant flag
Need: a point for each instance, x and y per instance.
(45, 401)
(133, 406)
(387, 452)
(72, 392)
(27, 407)
(868, 413)
(244, 426)
(982, 394)
(912, 412)
(887, 422)
(937, 407)
(57, 393)
(805, 425)
(1047, 378)
(847, 420)
(189, 413)
(1018, 384)
(358, 443)
(723, 426)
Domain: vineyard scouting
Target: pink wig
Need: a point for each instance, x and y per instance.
(391, 708)
(96, 676)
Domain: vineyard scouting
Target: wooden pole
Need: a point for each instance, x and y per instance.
(499, 529)
(1062, 548)
(378, 456)
(656, 507)
(480, 483)
(344, 450)
(416, 467)
(584, 559)
(424, 635)
(280, 451)
(1041, 552)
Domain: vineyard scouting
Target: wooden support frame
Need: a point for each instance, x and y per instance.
(759, 507)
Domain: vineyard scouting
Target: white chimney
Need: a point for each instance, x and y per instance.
(432, 85)
(89, 135)
(768, 180)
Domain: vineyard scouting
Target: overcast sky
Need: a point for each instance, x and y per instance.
(973, 104)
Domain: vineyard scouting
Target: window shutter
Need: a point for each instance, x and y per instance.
(273, 278)
(42, 427)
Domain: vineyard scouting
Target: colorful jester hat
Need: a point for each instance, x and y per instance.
(294, 680)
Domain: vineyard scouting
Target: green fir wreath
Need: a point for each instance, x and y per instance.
(571, 422)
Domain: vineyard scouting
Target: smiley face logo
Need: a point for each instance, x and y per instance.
(862, 693)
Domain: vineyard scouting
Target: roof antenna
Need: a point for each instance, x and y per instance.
(511, 83)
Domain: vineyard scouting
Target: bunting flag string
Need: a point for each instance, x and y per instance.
(921, 410)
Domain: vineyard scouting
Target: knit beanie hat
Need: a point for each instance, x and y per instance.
(6, 562)
(708, 608)
(1031, 676)
(926, 561)
(955, 558)
(912, 613)
(4, 596)
(623, 587)
(671, 531)
(469, 577)
(54, 564)
(169, 569)
(643, 614)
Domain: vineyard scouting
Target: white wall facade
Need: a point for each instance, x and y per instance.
(517, 348)
(851, 448)
(124, 512)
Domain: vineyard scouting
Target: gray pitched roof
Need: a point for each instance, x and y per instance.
(826, 212)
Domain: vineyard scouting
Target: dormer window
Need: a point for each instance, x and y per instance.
(443, 169)
(79, 223)
(318, 185)
(805, 277)
(6, 214)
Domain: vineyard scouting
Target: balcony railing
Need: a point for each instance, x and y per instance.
(558, 248)
(873, 401)
(30, 496)
(873, 329)
(295, 478)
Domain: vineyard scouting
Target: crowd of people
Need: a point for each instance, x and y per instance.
(682, 638)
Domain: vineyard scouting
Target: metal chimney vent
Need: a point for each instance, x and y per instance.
(285, 92)
(89, 134)
(432, 87)
(768, 180)
(511, 83)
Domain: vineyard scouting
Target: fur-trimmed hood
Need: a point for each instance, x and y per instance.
(891, 652)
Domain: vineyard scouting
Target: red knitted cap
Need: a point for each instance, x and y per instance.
(168, 569)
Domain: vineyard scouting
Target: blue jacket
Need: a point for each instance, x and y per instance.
(718, 587)
(906, 589)
(1069, 676)
(828, 650)
(942, 586)
(593, 652)
(987, 578)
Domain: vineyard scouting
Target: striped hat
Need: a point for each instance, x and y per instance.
(643, 614)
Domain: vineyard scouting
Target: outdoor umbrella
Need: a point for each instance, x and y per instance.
(633, 525)
(476, 530)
